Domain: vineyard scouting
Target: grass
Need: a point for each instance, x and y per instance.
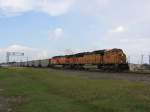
(43, 90)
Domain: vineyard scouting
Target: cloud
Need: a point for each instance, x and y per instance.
(102, 2)
(56, 33)
(92, 7)
(51, 7)
(14, 7)
(55, 7)
(31, 53)
(119, 29)
(19, 48)
(133, 46)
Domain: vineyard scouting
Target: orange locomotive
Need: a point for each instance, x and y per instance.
(113, 59)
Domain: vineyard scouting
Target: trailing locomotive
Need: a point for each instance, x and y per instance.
(113, 59)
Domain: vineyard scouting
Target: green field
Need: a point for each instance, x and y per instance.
(46, 90)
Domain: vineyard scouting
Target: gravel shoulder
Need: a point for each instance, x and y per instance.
(136, 77)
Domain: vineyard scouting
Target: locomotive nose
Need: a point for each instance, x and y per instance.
(123, 58)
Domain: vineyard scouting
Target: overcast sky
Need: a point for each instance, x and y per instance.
(44, 28)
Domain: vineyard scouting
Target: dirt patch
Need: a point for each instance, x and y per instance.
(4, 106)
(5, 103)
(120, 76)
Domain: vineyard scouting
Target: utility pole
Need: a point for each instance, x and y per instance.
(7, 56)
(27, 58)
(128, 59)
(149, 59)
(142, 56)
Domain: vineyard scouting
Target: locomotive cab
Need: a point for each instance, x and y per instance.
(116, 59)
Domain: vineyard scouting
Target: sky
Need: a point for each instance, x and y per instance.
(45, 28)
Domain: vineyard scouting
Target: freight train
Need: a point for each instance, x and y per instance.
(113, 59)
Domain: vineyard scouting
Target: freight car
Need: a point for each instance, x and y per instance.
(36, 63)
(45, 63)
(113, 59)
(29, 64)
